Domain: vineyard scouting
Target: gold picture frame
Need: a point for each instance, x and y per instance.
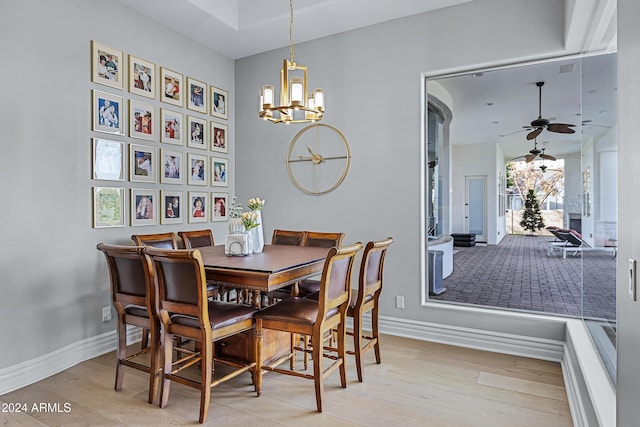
(106, 65)
(142, 77)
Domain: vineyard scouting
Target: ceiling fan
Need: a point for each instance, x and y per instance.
(539, 124)
(535, 152)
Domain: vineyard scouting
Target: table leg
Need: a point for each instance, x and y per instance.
(256, 299)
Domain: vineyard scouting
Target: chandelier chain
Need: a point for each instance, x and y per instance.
(291, 30)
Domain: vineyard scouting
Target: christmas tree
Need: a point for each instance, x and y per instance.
(531, 217)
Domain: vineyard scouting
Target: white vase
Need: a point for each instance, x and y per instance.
(236, 226)
(250, 243)
(258, 235)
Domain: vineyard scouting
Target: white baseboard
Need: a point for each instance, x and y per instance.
(34, 370)
(584, 385)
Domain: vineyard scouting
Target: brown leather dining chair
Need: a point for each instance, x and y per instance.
(133, 295)
(185, 312)
(290, 238)
(365, 299)
(315, 318)
(321, 240)
(159, 240)
(198, 239)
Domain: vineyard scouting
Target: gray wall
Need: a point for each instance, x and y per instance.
(372, 81)
(53, 279)
(628, 205)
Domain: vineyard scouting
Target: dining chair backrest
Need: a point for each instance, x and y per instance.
(159, 240)
(335, 284)
(371, 269)
(288, 237)
(131, 275)
(196, 239)
(323, 240)
(181, 282)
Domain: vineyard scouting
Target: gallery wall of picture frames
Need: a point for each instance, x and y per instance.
(156, 128)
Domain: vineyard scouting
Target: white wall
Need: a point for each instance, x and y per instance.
(54, 280)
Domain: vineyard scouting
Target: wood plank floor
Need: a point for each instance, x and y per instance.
(418, 384)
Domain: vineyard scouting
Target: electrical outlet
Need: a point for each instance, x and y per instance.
(106, 314)
(632, 279)
(399, 302)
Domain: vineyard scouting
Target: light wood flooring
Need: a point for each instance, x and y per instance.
(418, 384)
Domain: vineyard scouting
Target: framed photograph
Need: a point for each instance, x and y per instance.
(144, 204)
(171, 167)
(108, 207)
(108, 113)
(142, 120)
(198, 205)
(106, 65)
(197, 95)
(197, 169)
(171, 123)
(171, 204)
(219, 138)
(108, 159)
(219, 172)
(219, 103)
(171, 87)
(142, 163)
(220, 202)
(197, 129)
(142, 77)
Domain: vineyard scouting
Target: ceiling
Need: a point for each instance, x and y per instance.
(248, 27)
(488, 109)
(494, 106)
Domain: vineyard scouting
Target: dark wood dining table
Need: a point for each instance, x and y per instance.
(273, 268)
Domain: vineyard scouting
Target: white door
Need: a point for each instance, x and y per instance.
(475, 207)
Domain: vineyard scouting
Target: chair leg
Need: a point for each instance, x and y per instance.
(357, 343)
(375, 333)
(318, 373)
(342, 352)
(205, 381)
(122, 353)
(257, 371)
(167, 344)
(155, 363)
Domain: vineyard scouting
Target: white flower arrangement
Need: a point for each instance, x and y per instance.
(236, 208)
(255, 204)
(249, 220)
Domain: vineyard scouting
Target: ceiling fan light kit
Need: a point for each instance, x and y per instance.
(540, 124)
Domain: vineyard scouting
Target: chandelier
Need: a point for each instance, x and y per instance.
(297, 105)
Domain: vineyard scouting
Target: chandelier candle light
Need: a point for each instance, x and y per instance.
(294, 97)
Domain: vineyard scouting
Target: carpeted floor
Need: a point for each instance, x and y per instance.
(519, 274)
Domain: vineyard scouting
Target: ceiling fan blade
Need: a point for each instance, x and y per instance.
(511, 133)
(534, 134)
(529, 157)
(547, 157)
(560, 128)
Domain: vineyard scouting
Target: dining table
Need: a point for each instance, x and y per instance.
(264, 272)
